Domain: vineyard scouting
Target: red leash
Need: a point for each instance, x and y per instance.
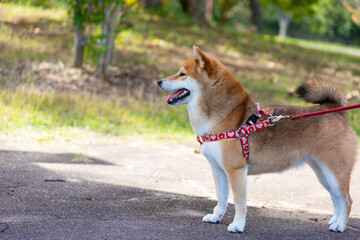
(295, 117)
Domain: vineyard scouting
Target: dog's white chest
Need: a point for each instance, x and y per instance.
(212, 152)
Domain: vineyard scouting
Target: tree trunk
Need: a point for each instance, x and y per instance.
(112, 17)
(185, 5)
(79, 46)
(152, 3)
(209, 10)
(197, 9)
(256, 14)
(80, 38)
(201, 10)
(283, 21)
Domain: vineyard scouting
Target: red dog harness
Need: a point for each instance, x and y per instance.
(241, 133)
(244, 131)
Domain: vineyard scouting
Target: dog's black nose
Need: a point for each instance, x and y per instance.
(160, 82)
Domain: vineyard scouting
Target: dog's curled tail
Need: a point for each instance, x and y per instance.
(321, 92)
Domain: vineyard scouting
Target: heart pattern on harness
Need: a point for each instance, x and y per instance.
(213, 137)
(230, 134)
(245, 130)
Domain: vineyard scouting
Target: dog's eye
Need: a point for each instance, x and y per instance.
(182, 74)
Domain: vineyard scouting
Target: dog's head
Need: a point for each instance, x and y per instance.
(195, 77)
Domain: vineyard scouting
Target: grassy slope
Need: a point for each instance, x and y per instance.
(267, 67)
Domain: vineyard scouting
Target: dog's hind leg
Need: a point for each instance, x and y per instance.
(222, 193)
(315, 165)
(339, 193)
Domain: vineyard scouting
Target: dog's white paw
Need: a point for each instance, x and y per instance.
(212, 218)
(236, 227)
(337, 227)
(333, 220)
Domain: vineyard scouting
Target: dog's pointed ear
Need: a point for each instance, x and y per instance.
(201, 59)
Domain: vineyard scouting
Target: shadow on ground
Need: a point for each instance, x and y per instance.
(65, 208)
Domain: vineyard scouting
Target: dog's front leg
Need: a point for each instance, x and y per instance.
(237, 178)
(222, 193)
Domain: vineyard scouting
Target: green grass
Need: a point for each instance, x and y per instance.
(80, 158)
(46, 111)
(33, 34)
(30, 14)
(24, 108)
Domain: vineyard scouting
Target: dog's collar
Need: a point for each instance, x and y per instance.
(243, 132)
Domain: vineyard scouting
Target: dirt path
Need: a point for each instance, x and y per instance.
(125, 190)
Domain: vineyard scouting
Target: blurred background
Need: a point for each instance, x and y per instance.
(82, 69)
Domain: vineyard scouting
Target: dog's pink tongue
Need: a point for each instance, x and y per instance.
(174, 95)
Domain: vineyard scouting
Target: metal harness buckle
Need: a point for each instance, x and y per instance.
(241, 134)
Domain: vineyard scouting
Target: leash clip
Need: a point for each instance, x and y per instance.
(275, 119)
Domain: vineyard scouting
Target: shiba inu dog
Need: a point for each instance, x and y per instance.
(217, 102)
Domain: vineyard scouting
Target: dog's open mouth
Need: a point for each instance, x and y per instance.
(177, 96)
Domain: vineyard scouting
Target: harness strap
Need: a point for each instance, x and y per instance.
(241, 133)
(246, 130)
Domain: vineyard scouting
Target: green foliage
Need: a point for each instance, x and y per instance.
(225, 10)
(353, 7)
(330, 21)
(295, 8)
(91, 13)
(170, 8)
(92, 49)
(88, 11)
